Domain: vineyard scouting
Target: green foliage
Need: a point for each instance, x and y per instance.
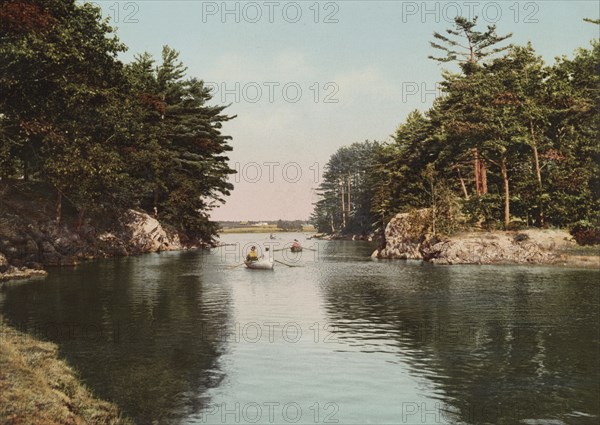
(535, 127)
(345, 204)
(484, 210)
(107, 136)
(290, 226)
(465, 44)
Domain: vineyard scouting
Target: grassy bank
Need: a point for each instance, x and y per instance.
(38, 388)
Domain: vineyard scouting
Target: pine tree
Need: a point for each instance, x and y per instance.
(469, 47)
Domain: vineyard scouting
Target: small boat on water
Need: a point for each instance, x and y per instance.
(296, 247)
(262, 264)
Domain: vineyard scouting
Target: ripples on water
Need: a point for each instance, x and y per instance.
(187, 338)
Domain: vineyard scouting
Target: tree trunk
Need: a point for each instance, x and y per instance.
(80, 218)
(477, 169)
(433, 207)
(483, 176)
(480, 174)
(462, 184)
(25, 170)
(343, 206)
(506, 193)
(58, 207)
(349, 205)
(538, 172)
(155, 203)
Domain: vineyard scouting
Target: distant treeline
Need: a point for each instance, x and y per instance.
(510, 142)
(106, 136)
(287, 225)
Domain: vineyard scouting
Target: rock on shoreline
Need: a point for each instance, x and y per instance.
(27, 246)
(408, 236)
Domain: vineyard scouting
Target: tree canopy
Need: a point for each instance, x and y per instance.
(106, 136)
(534, 126)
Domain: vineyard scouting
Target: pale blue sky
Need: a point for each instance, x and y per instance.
(374, 56)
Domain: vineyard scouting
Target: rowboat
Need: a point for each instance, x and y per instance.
(296, 248)
(262, 264)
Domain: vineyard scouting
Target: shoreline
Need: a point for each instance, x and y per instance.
(38, 387)
(410, 236)
(552, 257)
(14, 274)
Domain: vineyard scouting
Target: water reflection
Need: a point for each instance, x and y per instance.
(139, 330)
(500, 344)
(380, 342)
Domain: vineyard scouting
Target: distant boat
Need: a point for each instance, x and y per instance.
(262, 264)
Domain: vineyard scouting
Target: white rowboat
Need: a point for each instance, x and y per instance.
(262, 264)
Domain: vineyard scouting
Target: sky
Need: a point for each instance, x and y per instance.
(305, 78)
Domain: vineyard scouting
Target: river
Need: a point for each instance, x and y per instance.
(188, 338)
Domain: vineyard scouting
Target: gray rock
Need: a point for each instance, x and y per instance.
(31, 247)
(408, 237)
(405, 233)
(33, 265)
(51, 258)
(146, 234)
(3, 263)
(47, 247)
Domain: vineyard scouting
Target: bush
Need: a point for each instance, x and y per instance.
(516, 224)
(485, 210)
(585, 233)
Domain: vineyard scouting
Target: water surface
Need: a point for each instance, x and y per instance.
(187, 338)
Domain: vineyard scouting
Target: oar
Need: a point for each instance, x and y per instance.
(235, 267)
(286, 264)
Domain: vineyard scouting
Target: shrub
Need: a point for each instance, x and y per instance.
(586, 233)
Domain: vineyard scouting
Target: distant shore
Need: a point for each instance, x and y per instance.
(265, 229)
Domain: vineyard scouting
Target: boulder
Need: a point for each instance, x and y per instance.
(405, 233)
(47, 247)
(31, 247)
(408, 236)
(50, 258)
(492, 248)
(34, 265)
(3, 263)
(147, 234)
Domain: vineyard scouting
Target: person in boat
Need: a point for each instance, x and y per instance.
(296, 244)
(252, 255)
(267, 254)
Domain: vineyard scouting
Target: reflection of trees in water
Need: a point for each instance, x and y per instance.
(148, 335)
(502, 344)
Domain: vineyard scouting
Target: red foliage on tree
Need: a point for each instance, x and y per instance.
(154, 102)
(23, 17)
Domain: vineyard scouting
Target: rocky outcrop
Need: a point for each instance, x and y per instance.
(3, 263)
(27, 245)
(405, 234)
(408, 236)
(526, 247)
(148, 235)
(9, 272)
